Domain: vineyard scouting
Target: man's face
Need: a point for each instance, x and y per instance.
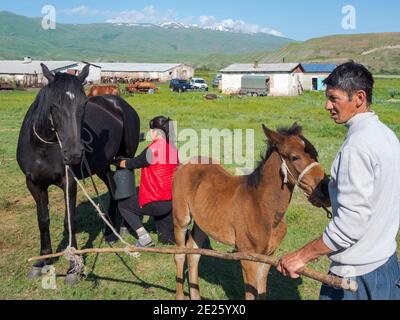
(341, 108)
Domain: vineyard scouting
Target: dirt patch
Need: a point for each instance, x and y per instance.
(9, 130)
(394, 101)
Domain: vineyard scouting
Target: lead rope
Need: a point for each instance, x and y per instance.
(70, 252)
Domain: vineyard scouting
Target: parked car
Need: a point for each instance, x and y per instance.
(216, 81)
(180, 85)
(199, 84)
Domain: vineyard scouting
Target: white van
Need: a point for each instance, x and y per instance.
(199, 84)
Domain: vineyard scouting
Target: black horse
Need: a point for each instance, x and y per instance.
(106, 127)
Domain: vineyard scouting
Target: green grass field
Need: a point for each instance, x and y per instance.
(153, 276)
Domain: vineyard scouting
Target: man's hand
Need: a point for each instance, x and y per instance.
(292, 263)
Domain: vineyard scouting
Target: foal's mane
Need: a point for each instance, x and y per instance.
(254, 179)
(40, 108)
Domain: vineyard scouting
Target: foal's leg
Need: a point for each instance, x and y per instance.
(195, 241)
(263, 270)
(250, 277)
(181, 223)
(41, 197)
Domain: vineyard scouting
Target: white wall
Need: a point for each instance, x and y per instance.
(231, 83)
(282, 84)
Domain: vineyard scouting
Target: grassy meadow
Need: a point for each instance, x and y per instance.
(153, 276)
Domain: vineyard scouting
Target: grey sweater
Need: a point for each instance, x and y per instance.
(365, 197)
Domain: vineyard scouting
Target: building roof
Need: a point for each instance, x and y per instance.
(318, 67)
(261, 68)
(21, 67)
(137, 67)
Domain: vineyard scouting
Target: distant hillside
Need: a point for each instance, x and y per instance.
(380, 52)
(22, 36)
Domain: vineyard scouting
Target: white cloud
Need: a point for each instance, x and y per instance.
(150, 14)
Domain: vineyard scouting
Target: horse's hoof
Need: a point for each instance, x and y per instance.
(111, 239)
(72, 279)
(35, 273)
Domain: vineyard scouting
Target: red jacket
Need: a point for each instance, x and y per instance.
(156, 180)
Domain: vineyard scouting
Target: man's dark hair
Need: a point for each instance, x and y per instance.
(351, 77)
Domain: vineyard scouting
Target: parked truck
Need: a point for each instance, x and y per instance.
(255, 85)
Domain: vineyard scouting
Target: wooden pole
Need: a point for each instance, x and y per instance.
(329, 280)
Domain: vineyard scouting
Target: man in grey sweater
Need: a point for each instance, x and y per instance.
(364, 192)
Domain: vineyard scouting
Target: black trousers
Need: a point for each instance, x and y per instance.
(161, 211)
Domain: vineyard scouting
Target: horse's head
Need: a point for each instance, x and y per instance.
(66, 98)
(299, 157)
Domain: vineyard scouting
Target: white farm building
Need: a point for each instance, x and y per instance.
(28, 72)
(315, 74)
(163, 72)
(285, 79)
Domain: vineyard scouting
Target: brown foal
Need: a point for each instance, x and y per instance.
(243, 212)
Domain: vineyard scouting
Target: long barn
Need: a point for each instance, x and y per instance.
(126, 72)
(28, 72)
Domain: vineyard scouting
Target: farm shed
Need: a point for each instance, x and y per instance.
(315, 74)
(127, 72)
(28, 72)
(285, 78)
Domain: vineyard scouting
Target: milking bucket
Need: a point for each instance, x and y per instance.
(122, 184)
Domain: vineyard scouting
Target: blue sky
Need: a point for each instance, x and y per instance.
(298, 20)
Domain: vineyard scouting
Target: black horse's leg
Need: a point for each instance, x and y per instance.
(41, 197)
(72, 277)
(112, 210)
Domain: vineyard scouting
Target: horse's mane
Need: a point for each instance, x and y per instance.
(254, 179)
(40, 109)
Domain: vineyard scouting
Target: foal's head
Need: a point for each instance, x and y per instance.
(66, 100)
(299, 157)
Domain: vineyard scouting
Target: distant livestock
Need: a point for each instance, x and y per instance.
(142, 87)
(104, 90)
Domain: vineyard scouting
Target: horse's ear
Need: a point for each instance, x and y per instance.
(274, 137)
(84, 74)
(47, 73)
(297, 129)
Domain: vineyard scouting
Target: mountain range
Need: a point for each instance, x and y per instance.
(22, 36)
(175, 42)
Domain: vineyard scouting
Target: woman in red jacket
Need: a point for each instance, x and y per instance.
(158, 163)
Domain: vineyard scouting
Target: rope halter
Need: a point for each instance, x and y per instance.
(286, 172)
(52, 129)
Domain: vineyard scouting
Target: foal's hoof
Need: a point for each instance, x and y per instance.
(72, 279)
(35, 273)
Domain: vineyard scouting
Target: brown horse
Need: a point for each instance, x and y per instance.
(243, 212)
(104, 90)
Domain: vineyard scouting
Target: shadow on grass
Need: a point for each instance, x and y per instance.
(89, 222)
(228, 275)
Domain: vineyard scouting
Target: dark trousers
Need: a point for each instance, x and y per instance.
(381, 284)
(161, 211)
